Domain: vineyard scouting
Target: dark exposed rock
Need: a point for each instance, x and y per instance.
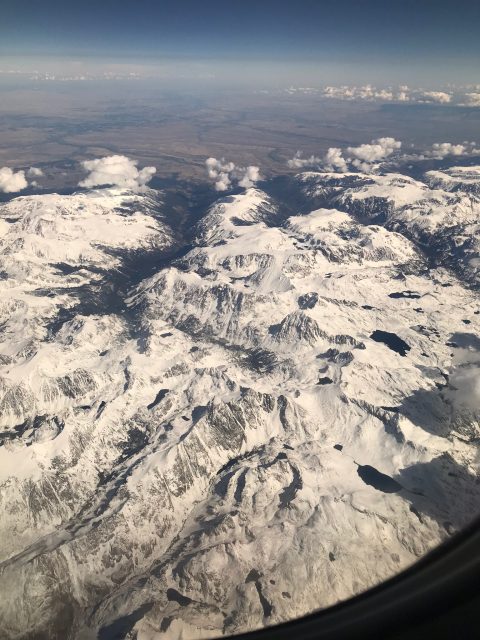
(308, 300)
(405, 294)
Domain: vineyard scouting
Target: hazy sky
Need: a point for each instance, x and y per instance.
(370, 40)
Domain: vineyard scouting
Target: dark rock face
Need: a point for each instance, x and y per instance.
(297, 326)
(412, 295)
(308, 300)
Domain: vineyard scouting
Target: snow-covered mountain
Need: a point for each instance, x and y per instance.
(280, 418)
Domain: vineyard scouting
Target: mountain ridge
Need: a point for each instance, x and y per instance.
(205, 438)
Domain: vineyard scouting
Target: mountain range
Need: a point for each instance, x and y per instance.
(209, 434)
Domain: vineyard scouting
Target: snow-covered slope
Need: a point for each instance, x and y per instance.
(466, 179)
(441, 215)
(259, 429)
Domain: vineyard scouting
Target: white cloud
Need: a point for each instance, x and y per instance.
(378, 149)
(363, 158)
(226, 174)
(34, 172)
(435, 96)
(472, 99)
(215, 167)
(219, 170)
(441, 150)
(368, 157)
(368, 93)
(222, 182)
(464, 383)
(10, 182)
(466, 96)
(334, 161)
(340, 93)
(119, 171)
(383, 94)
(251, 175)
(303, 90)
(298, 162)
(331, 161)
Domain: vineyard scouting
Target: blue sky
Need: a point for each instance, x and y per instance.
(431, 38)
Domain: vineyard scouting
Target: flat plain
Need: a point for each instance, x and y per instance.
(58, 124)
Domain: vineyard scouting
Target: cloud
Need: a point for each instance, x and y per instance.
(368, 157)
(334, 161)
(341, 93)
(368, 93)
(367, 154)
(222, 182)
(472, 99)
(10, 182)
(364, 157)
(226, 174)
(441, 150)
(215, 167)
(34, 172)
(298, 162)
(464, 385)
(119, 171)
(331, 161)
(465, 96)
(218, 171)
(435, 96)
(251, 175)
